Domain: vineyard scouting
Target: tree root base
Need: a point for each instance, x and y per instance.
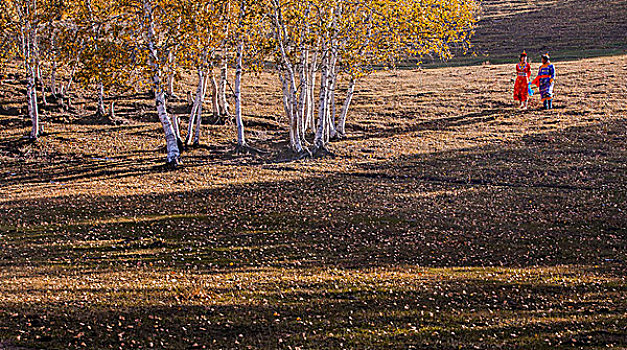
(106, 119)
(321, 151)
(31, 138)
(315, 152)
(219, 120)
(338, 137)
(193, 145)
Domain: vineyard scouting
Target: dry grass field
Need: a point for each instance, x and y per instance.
(447, 219)
(568, 29)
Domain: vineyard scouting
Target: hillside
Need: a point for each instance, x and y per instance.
(447, 220)
(568, 29)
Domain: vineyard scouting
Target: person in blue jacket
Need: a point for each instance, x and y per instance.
(545, 81)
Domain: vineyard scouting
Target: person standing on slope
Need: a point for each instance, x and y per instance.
(545, 81)
(521, 87)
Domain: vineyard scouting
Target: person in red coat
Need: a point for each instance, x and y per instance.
(521, 87)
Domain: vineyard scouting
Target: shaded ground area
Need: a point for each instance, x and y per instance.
(447, 220)
(568, 29)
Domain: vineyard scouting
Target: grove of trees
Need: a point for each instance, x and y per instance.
(312, 46)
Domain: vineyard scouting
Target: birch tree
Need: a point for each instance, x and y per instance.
(336, 37)
(151, 32)
(249, 40)
(291, 25)
(104, 61)
(203, 36)
(23, 18)
(7, 45)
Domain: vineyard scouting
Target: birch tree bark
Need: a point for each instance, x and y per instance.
(171, 74)
(311, 101)
(198, 120)
(195, 117)
(241, 140)
(341, 125)
(53, 72)
(31, 91)
(331, 105)
(322, 106)
(287, 76)
(172, 142)
(215, 107)
(27, 36)
(223, 86)
(101, 107)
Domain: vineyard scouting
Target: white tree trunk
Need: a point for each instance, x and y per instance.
(199, 116)
(160, 101)
(331, 114)
(27, 38)
(66, 90)
(170, 81)
(286, 105)
(112, 110)
(176, 125)
(33, 110)
(53, 78)
(31, 89)
(168, 128)
(43, 94)
(215, 107)
(194, 115)
(171, 85)
(101, 106)
(304, 93)
(341, 126)
(53, 73)
(311, 104)
(36, 55)
(224, 80)
(241, 140)
(322, 106)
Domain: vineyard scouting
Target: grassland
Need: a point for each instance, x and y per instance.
(567, 29)
(447, 220)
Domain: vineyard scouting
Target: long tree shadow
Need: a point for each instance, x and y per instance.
(537, 202)
(445, 123)
(574, 22)
(554, 200)
(470, 314)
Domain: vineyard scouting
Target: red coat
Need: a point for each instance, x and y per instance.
(521, 87)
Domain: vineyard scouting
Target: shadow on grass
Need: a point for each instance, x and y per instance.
(459, 314)
(123, 166)
(439, 124)
(571, 30)
(552, 200)
(536, 202)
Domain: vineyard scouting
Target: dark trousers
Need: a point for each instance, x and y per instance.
(548, 104)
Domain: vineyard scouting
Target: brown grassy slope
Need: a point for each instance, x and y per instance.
(447, 220)
(568, 29)
(395, 114)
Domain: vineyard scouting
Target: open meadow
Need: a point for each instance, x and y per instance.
(447, 219)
